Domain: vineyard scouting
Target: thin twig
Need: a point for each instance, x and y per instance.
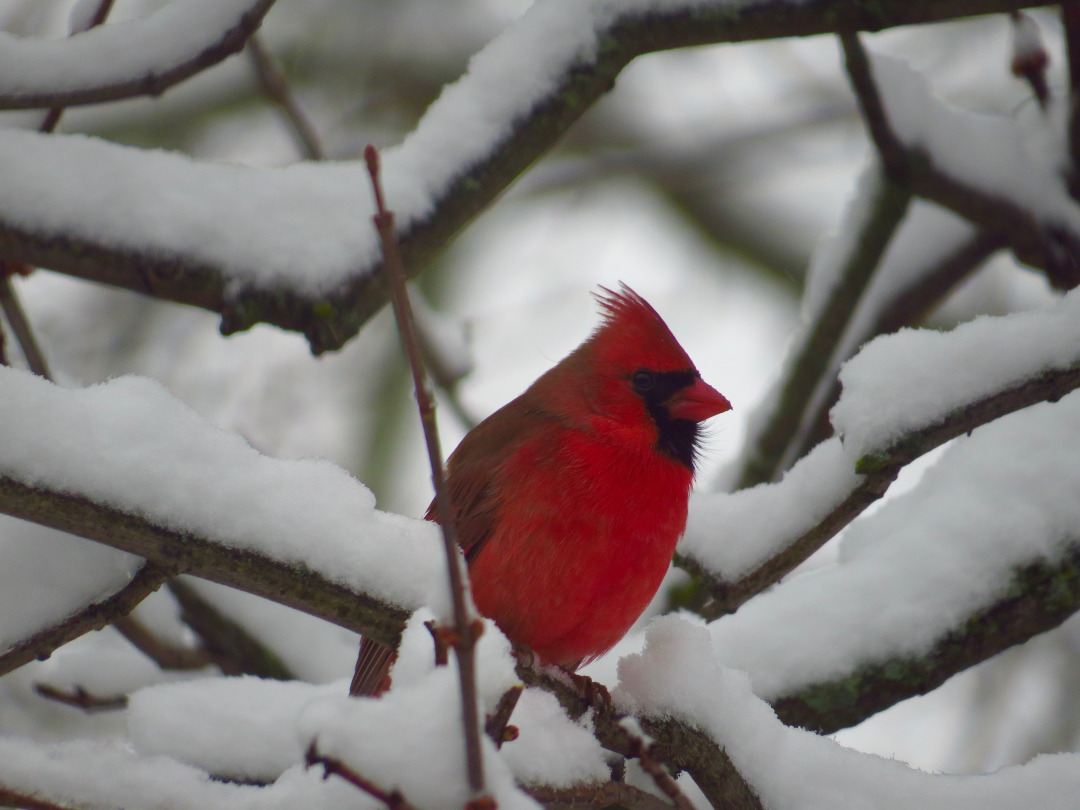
(275, 86)
(20, 326)
(496, 726)
(93, 617)
(227, 643)
(164, 655)
(79, 698)
(332, 767)
(466, 627)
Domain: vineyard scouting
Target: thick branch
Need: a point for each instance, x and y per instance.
(329, 321)
(1040, 597)
(290, 584)
(93, 617)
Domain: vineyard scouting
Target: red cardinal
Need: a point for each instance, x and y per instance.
(569, 500)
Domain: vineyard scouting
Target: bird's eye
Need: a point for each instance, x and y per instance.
(643, 380)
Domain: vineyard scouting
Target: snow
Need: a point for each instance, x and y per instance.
(303, 228)
(109, 775)
(899, 383)
(419, 721)
(677, 675)
(993, 154)
(921, 565)
(732, 534)
(128, 444)
(116, 53)
(237, 728)
(46, 576)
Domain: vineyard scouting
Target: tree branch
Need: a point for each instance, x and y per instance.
(676, 744)
(811, 360)
(877, 471)
(93, 617)
(1052, 248)
(153, 79)
(330, 320)
(1040, 597)
(289, 584)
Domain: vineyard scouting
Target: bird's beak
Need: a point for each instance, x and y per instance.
(697, 402)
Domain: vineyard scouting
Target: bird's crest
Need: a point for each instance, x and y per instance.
(633, 333)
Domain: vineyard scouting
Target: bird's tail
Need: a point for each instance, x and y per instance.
(372, 675)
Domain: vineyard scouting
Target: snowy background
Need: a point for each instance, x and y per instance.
(709, 180)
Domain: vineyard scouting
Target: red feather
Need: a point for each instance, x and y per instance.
(569, 500)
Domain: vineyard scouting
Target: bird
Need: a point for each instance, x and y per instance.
(568, 501)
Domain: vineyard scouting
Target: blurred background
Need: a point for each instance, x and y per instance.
(704, 181)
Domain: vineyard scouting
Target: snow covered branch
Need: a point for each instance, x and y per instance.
(874, 215)
(676, 743)
(92, 617)
(752, 558)
(217, 510)
(161, 50)
(956, 160)
(1039, 598)
(280, 246)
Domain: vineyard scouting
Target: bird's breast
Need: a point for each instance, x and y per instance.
(581, 548)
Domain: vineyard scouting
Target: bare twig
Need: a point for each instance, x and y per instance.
(661, 778)
(79, 698)
(466, 627)
(164, 655)
(92, 617)
(332, 767)
(496, 726)
(20, 325)
(275, 86)
(228, 644)
(438, 637)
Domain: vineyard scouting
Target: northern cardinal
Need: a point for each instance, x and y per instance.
(569, 500)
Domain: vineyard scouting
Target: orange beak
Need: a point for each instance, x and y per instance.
(697, 402)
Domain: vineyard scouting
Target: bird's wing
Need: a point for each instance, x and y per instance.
(475, 482)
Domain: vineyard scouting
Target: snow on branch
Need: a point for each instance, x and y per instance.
(140, 57)
(281, 246)
(982, 554)
(679, 679)
(979, 166)
(125, 464)
(94, 616)
(904, 395)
